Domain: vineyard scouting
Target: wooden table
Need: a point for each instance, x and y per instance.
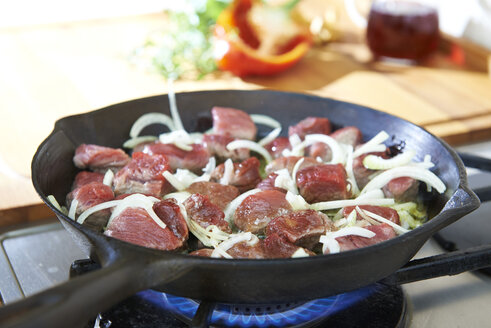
(48, 72)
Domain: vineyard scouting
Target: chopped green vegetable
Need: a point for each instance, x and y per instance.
(416, 210)
(185, 48)
(407, 221)
(411, 214)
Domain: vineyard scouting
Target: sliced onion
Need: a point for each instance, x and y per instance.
(297, 150)
(372, 194)
(138, 201)
(353, 231)
(323, 206)
(397, 228)
(373, 162)
(406, 171)
(300, 252)
(183, 178)
(217, 252)
(297, 202)
(55, 203)
(340, 222)
(294, 140)
(373, 145)
(254, 146)
(351, 219)
(73, 209)
(174, 181)
(133, 142)
(425, 164)
(173, 106)
(207, 170)
(230, 209)
(284, 181)
(108, 178)
(179, 138)
(270, 137)
(228, 172)
(338, 155)
(96, 208)
(338, 215)
(211, 236)
(231, 241)
(365, 216)
(349, 171)
(331, 244)
(296, 168)
(179, 196)
(149, 119)
(265, 120)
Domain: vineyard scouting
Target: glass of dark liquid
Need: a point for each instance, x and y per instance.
(402, 29)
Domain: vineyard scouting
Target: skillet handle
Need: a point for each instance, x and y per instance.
(483, 164)
(448, 264)
(74, 303)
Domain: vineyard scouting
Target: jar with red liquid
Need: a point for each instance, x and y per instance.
(402, 29)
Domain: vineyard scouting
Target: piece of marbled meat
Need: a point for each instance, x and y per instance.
(323, 183)
(170, 213)
(245, 176)
(205, 252)
(257, 210)
(277, 246)
(89, 195)
(216, 145)
(310, 125)
(349, 135)
(99, 158)
(288, 162)
(134, 225)
(385, 212)
(86, 177)
(201, 210)
(247, 250)
(302, 228)
(193, 160)
(233, 123)
(361, 173)
(268, 183)
(403, 189)
(276, 147)
(143, 174)
(242, 250)
(382, 232)
(220, 195)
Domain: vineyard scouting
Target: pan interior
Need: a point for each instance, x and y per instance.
(53, 173)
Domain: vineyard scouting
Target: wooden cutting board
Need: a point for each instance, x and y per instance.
(48, 72)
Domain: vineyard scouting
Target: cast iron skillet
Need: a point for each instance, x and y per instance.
(128, 268)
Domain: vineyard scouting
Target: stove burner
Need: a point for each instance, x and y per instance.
(307, 314)
(374, 306)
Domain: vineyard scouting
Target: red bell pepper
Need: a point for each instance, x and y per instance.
(238, 46)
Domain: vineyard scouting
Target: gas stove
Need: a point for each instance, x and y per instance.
(27, 266)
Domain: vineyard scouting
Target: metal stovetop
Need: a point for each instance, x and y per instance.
(37, 257)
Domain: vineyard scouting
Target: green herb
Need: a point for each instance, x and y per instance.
(185, 48)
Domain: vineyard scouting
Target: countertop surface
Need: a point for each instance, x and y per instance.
(52, 71)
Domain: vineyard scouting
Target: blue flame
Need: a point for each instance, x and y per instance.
(224, 314)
